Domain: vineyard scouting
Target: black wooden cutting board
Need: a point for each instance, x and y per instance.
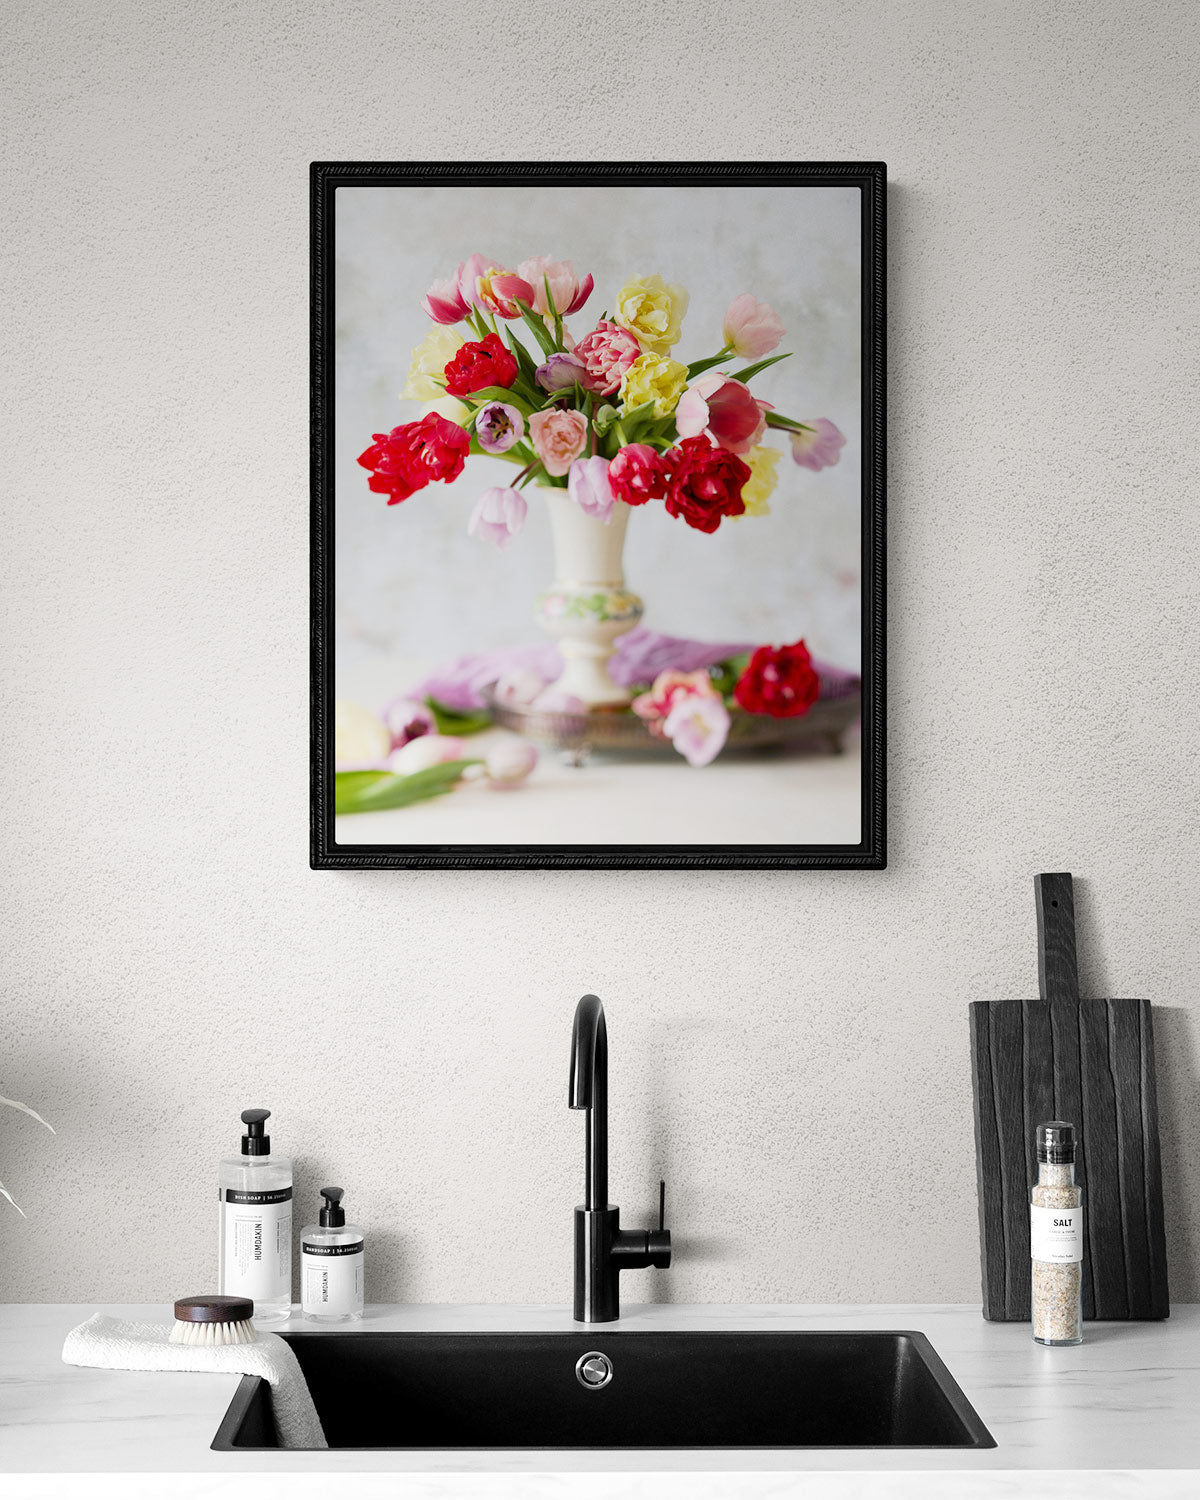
(1090, 1062)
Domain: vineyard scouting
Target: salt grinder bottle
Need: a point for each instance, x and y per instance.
(1056, 1238)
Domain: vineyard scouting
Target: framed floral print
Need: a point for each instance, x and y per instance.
(598, 515)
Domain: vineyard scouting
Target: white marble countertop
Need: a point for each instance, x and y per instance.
(1117, 1416)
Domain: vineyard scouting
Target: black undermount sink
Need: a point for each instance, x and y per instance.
(647, 1390)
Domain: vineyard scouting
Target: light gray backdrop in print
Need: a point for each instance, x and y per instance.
(411, 583)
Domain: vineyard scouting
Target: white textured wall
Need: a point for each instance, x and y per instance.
(790, 1048)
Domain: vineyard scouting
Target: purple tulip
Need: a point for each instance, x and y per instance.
(588, 486)
(498, 426)
(560, 373)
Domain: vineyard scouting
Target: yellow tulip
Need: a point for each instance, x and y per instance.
(653, 377)
(761, 485)
(652, 311)
(430, 357)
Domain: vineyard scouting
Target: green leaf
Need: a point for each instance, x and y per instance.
(537, 328)
(501, 393)
(699, 366)
(522, 356)
(752, 370)
(348, 786)
(786, 424)
(403, 791)
(458, 721)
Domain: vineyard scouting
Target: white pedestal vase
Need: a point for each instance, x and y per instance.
(587, 606)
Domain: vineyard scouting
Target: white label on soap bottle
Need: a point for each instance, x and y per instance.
(257, 1230)
(1055, 1234)
(331, 1279)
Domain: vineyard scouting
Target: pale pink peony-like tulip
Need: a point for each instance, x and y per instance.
(588, 486)
(607, 353)
(568, 291)
(498, 516)
(819, 449)
(669, 688)
(697, 726)
(725, 410)
(751, 328)
(558, 438)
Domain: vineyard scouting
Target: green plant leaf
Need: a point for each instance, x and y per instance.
(25, 1110)
(698, 367)
(348, 786)
(537, 328)
(786, 424)
(501, 393)
(403, 791)
(458, 721)
(752, 370)
(519, 352)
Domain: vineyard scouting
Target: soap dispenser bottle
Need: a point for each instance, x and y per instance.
(256, 1223)
(331, 1264)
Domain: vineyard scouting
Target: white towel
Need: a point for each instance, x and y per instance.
(112, 1344)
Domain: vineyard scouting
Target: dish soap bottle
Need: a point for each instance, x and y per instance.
(331, 1264)
(1056, 1238)
(256, 1223)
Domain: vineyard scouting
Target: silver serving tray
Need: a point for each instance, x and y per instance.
(619, 728)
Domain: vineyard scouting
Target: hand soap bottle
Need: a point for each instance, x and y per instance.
(331, 1264)
(256, 1223)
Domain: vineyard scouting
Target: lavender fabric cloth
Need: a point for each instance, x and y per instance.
(640, 656)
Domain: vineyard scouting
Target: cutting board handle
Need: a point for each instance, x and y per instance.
(1058, 972)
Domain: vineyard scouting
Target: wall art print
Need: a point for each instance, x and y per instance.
(598, 515)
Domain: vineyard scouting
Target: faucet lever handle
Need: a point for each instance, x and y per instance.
(658, 1241)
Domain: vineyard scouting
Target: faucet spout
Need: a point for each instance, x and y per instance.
(589, 1090)
(602, 1248)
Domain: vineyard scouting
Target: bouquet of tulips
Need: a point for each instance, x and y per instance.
(611, 415)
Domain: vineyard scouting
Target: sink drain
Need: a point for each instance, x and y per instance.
(593, 1370)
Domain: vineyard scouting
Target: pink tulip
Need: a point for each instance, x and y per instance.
(589, 488)
(498, 516)
(468, 275)
(697, 726)
(568, 291)
(668, 689)
(444, 302)
(725, 410)
(558, 438)
(483, 284)
(819, 449)
(405, 719)
(607, 353)
(751, 328)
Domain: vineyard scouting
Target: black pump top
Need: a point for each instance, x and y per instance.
(254, 1142)
(333, 1215)
(1056, 1142)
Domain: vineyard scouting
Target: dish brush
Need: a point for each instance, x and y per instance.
(211, 1322)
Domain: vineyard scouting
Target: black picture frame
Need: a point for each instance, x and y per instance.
(870, 852)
